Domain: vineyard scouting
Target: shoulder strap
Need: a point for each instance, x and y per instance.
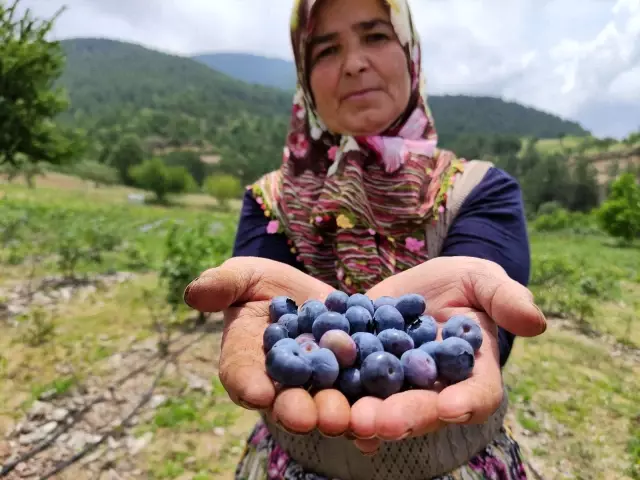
(473, 173)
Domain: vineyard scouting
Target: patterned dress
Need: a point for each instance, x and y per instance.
(264, 460)
(355, 211)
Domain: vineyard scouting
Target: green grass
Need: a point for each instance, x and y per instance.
(571, 144)
(573, 389)
(577, 396)
(577, 274)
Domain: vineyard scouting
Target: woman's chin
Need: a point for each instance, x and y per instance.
(366, 123)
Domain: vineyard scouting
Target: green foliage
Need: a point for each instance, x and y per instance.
(21, 167)
(93, 171)
(633, 138)
(455, 114)
(153, 175)
(191, 161)
(619, 216)
(633, 447)
(223, 188)
(549, 208)
(29, 66)
(77, 237)
(118, 89)
(548, 177)
(189, 250)
(128, 153)
(167, 101)
(565, 289)
(560, 219)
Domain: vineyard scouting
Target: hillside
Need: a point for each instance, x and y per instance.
(254, 69)
(168, 101)
(103, 74)
(118, 88)
(455, 114)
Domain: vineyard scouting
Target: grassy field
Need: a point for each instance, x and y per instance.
(557, 146)
(98, 359)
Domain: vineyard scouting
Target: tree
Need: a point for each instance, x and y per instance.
(96, 172)
(153, 175)
(127, 153)
(585, 194)
(191, 161)
(29, 66)
(223, 188)
(23, 168)
(619, 216)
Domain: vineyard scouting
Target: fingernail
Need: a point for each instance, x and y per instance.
(364, 438)
(248, 406)
(281, 426)
(406, 435)
(460, 419)
(338, 435)
(544, 318)
(185, 296)
(370, 454)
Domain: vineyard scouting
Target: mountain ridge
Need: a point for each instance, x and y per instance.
(119, 89)
(280, 73)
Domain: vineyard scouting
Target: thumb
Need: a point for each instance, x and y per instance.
(451, 283)
(506, 301)
(244, 279)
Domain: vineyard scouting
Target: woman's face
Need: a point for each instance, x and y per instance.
(359, 74)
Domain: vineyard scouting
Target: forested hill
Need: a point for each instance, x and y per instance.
(455, 114)
(119, 89)
(255, 69)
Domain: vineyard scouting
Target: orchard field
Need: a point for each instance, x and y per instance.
(105, 374)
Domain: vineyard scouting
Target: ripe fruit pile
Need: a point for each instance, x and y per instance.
(363, 347)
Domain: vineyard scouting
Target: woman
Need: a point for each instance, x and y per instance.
(364, 202)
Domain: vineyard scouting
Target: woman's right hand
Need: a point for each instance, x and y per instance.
(242, 288)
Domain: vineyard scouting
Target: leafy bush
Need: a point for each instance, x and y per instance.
(155, 176)
(559, 219)
(189, 250)
(565, 287)
(96, 172)
(223, 188)
(619, 216)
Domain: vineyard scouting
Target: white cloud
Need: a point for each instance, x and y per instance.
(576, 58)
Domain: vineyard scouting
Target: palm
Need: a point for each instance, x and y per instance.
(243, 287)
(451, 286)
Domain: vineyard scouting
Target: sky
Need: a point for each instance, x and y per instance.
(579, 59)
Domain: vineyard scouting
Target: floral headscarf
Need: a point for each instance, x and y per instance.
(355, 209)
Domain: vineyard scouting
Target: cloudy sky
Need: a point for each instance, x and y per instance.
(579, 59)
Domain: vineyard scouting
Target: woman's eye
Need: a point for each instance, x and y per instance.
(376, 37)
(326, 51)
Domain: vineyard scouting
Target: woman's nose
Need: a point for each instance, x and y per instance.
(355, 62)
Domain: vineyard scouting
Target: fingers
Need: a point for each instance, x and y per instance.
(405, 414)
(242, 367)
(363, 418)
(474, 400)
(449, 283)
(295, 411)
(368, 447)
(334, 412)
(508, 303)
(242, 279)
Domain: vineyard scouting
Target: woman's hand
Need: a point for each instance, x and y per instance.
(451, 285)
(242, 288)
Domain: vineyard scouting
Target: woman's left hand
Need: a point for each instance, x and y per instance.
(451, 285)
